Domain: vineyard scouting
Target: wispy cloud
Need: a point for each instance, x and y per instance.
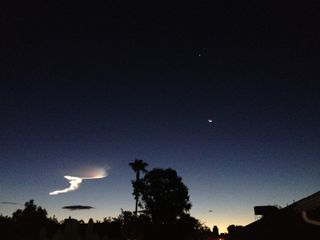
(77, 207)
(9, 203)
(76, 181)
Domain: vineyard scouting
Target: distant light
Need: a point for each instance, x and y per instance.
(210, 120)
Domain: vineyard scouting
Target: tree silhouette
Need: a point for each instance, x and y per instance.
(235, 232)
(30, 220)
(30, 214)
(137, 166)
(215, 232)
(164, 196)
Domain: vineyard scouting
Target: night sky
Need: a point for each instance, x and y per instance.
(103, 84)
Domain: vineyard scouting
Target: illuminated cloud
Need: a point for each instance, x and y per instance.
(77, 207)
(76, 181)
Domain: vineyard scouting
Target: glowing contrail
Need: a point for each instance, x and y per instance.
(74, 185)
(76, 181)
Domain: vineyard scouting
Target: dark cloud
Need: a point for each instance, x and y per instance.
(9, 203)
(77, 207)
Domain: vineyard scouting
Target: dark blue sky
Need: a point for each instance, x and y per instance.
(98, 86)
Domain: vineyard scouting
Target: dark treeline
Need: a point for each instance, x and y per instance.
(33, 223)
(161, 212)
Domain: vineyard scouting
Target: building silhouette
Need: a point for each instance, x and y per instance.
(300, 220)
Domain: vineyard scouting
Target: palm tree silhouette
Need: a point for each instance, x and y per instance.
(137, 166)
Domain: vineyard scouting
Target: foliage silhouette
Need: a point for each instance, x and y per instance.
(164, 196)
(137, 166)
(32, 223)
(30, 213)
(29, 223)
(215, 232)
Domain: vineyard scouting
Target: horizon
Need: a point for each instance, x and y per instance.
(86, 214)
